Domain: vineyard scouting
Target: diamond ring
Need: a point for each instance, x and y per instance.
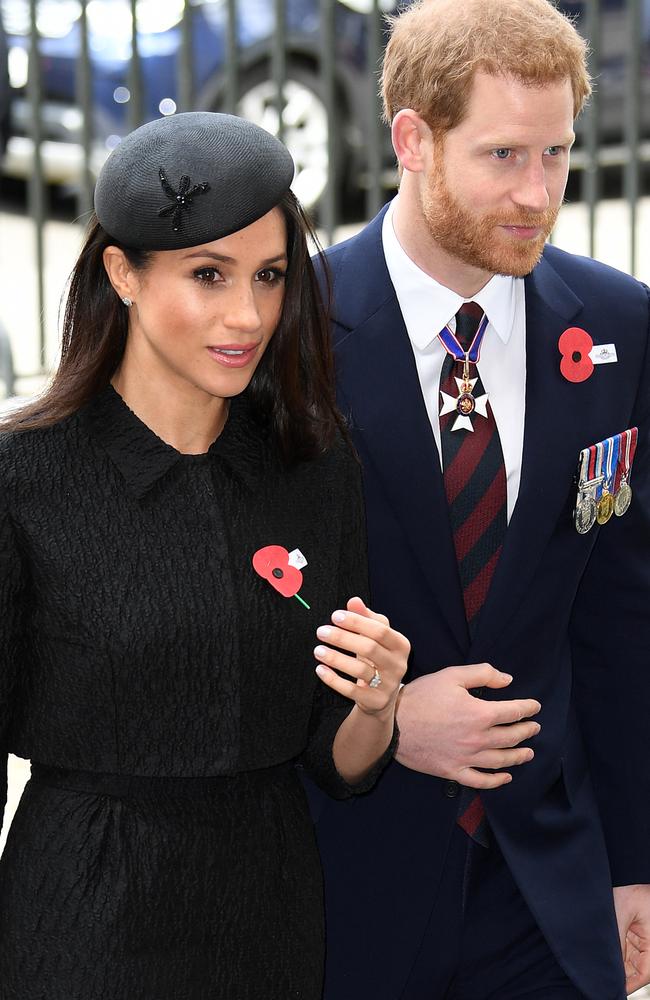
(376, 681)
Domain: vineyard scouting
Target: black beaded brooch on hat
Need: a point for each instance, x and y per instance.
(181, 198)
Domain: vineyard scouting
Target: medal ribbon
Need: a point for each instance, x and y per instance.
(451, 344)
(583, 477)
(612, 447)
(591, 465)
(600, 463)
(631, 436)
(627, 449)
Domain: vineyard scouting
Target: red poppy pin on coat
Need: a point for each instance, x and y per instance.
(274, 563)
(575, 346)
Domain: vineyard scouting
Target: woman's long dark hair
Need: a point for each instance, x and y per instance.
(292, 390)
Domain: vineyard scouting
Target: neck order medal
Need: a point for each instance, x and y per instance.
(466, 404)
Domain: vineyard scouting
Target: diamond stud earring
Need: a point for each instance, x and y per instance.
(127, 301)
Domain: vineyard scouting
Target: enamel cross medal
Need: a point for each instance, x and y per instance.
(466, 404)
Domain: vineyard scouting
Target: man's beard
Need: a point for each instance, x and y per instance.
(477, 240)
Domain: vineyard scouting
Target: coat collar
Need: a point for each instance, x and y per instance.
(363, 287)
(143, 459)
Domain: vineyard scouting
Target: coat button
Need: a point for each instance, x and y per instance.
(452, 789)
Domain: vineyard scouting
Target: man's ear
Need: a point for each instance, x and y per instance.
(120, 273)
(411, 139)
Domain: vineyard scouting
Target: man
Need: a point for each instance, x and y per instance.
(447, 880)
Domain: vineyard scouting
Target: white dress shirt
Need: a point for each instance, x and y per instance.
(427, 306)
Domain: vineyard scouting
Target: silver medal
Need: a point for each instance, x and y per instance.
(585, 513)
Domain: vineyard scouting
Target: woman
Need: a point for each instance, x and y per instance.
(179, 513)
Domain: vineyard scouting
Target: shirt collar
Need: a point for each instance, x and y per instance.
(143, 458)
(427, 306)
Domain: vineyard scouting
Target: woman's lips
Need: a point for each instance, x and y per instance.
(233, 355)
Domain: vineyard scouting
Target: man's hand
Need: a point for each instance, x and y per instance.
(446, 731)
(632, 904)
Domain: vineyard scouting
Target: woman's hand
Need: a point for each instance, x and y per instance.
(375, 654)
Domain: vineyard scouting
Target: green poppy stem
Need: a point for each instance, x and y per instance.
(299, 598)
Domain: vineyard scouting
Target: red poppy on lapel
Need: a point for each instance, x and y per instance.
(574, 346)
(272, 564)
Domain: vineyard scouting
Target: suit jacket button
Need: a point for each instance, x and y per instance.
(452, 789)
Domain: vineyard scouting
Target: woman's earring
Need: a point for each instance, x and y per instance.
(127, 301)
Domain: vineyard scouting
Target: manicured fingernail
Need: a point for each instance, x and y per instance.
(320, 651)
(323, 632)
(507, 677)
(322, 671)
(338, 617)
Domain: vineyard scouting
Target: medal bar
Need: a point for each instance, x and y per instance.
(604, 471)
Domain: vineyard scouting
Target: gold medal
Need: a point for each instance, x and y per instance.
(605, 507)
(604, 456)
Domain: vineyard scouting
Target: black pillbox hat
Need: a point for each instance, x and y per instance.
(189, 179)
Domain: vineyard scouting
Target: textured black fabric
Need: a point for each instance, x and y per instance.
(138, 645)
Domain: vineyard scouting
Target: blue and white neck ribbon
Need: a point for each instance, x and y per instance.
(452, 345)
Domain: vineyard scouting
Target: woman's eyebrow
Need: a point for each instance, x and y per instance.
(224, 259)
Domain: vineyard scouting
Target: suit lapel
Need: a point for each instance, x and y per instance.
(553, 437)
(379, 384)
(377, 369)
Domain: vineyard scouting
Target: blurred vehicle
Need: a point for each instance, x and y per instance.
(305, 116)
(159, 44)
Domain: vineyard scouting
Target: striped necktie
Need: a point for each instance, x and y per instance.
(475, 479)
(475, 485)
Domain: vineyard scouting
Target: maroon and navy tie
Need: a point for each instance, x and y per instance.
(475, 484)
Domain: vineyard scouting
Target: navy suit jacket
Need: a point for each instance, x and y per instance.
(568, 615)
